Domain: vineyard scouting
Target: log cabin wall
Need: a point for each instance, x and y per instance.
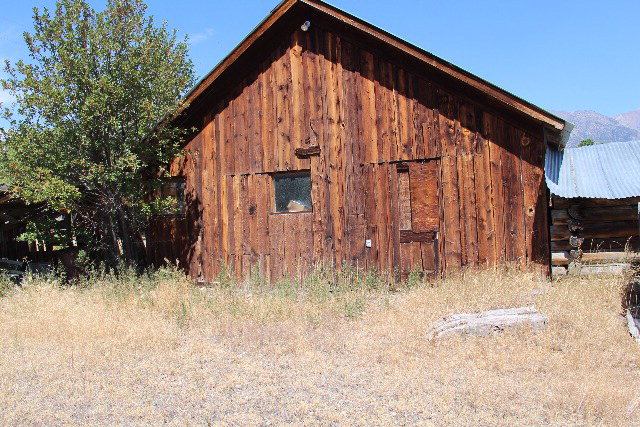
(379, 125)
(597, 231)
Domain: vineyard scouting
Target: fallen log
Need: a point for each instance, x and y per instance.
(488, 322)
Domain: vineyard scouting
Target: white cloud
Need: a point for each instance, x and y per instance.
(201, 36)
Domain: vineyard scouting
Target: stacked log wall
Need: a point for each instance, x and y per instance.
(594, 230)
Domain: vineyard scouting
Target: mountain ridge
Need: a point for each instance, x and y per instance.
(630, 119)
(601, 128)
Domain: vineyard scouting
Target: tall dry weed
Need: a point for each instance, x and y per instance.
(339, 347)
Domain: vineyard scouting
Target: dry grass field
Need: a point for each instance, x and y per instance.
(335, 350)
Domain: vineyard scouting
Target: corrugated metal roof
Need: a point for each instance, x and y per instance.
(607, 171)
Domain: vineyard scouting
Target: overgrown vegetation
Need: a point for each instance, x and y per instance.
(82, 138)
(339, 348)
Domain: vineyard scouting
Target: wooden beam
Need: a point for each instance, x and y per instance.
(305, 153)
(407, 236)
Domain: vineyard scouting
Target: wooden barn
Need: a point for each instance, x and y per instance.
(323, 139)
(595, 196)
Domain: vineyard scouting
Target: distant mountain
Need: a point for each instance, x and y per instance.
(600, 128)
(630, 119)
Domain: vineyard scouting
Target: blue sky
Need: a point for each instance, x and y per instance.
(558, 54)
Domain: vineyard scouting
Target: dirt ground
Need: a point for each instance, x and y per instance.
(177, 355)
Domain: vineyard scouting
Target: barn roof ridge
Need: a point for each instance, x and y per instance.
(549, 120)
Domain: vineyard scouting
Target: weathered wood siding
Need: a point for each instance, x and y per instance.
(367, 111)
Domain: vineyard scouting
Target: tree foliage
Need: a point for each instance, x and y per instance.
(83, 135)
(586, 142)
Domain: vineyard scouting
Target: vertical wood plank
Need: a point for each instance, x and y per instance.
(335, 140)
(394, 229)
(419, 116)
(208, 195)
(484, 204)
(241, 140)
(254, 124)
(468, 215)
(466, 143)
(429, 256)
(263, 208)
(447, 124)
(404, 120)
(228, 220)
(282, 74)
(296, 94)
(535, 197)
(371, 218)
(268, 119)
(316, 81)
(383, 109)
(369, 117)
(276, 250)
(513, 201)
(382, 199)
(404, 201)
(451, 205)
(238, 233)
(227, 139)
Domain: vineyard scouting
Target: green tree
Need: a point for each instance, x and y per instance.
(586, 142)
(83, 137)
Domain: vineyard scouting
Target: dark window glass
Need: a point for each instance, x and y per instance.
(292, 192)
(174, 189)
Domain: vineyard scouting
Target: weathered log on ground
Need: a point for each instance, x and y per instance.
(488, 322)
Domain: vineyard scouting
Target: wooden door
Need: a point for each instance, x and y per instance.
(419, 211)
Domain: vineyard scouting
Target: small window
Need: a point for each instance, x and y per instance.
(292, 192)
(174, 189)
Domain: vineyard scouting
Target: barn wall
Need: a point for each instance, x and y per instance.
(370, 114)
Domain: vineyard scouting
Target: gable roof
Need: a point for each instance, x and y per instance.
(288, 8)
(603, 171)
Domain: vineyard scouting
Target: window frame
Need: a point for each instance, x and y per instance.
(274, 175)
